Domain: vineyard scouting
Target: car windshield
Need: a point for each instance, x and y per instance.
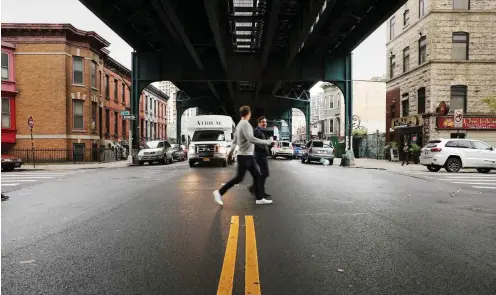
(209, 135)
(285, 144)
(153, 144)
(322, 144)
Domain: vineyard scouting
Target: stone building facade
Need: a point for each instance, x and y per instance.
(441, 52)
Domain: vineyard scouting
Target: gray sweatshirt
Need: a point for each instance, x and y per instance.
(244, 139)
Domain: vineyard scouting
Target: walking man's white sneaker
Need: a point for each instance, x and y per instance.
(264, 202)
(218, 198)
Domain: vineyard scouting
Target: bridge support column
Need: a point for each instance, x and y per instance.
(307, 120)
(348, 102)
(290, 124)
(179, 111)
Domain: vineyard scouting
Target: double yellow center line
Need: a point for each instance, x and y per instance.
(252, 280)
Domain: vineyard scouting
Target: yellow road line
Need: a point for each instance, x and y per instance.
(227, 274)
(252, 280)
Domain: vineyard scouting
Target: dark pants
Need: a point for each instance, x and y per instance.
(245, 163)
(263, 165)
(405, 159)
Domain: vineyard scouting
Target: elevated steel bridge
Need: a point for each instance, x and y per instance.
(226, 53)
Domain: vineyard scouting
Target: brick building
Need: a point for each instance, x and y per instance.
(9, 93)
(441, 53)
(66, 80)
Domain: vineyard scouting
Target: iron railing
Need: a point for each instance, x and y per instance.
(71, 155)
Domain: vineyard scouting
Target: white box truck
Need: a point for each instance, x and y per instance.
(211, 139)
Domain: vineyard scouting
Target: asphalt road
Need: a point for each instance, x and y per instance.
(331, 230)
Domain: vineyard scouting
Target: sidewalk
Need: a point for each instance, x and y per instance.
(52, 167)
(384, 165)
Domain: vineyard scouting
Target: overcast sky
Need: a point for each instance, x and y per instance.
(369, 59)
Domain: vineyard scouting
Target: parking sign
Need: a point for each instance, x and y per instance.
(458, 118)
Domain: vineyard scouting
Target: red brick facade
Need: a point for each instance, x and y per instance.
(67, 81)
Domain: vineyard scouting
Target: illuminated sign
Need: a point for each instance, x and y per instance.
(467, 123)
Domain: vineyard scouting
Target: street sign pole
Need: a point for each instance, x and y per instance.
(458, 121)
(30, 126)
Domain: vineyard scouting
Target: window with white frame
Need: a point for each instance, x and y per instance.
(5, 112)
(5, 66)
(461, 4)
(331, 127)
(392, 23)
(78, 114)
(421, 8)
(77, 70)
(331, 101)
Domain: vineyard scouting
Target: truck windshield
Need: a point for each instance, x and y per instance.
(209, 135)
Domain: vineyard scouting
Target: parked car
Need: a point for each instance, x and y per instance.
(298, 150)
(156, 151)
(456, 154)
(9, 163)
(316, 150)
(178, 153)
(283, 149)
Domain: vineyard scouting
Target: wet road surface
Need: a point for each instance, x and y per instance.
(331, 230)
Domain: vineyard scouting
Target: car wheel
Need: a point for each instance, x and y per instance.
(432, 168)
(483, 170)
(303, 160)
(224, 163)
(163, 162)
(191, 164)
(140, 163)
(453, 164)
(331, 161)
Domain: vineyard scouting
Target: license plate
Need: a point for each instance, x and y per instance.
(206, 159)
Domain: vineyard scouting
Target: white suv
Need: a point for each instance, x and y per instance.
(283, 149)
(455, 154)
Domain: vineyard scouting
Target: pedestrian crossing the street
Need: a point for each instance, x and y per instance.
(13, 179)
(474, 180)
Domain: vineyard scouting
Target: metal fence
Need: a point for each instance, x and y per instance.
(74, 155)
(371, 146)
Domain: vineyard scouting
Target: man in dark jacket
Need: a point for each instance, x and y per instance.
(261, 153)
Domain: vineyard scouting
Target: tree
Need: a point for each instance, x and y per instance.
(491, 102)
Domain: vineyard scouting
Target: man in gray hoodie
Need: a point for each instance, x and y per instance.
(244, 139)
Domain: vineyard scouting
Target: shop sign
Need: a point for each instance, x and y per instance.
(442, 109)
(409, 121)
(467, 123)
(458, 118)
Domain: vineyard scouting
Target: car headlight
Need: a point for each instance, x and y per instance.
(6, 160)
(222, 150)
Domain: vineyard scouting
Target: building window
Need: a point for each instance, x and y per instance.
(116, 88)
(124, 129)
(421, 100)
(392, 65)
(78, 114)
(93, 74)
(5, 66)
(458, 98)
(94, 110)
(406, 17)
(5, 111)
(406, 59)
(422, 50)
(123, 93)
(107, 86)
(421, 8)
(405, 105)
(392, 23)
(116, 123)
(107, 121)
(331, 127)
(77, 70)
(459, 49)
(392, 111)
(100, 84)
(461, 4)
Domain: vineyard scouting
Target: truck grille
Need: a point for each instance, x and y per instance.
(205, 148)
